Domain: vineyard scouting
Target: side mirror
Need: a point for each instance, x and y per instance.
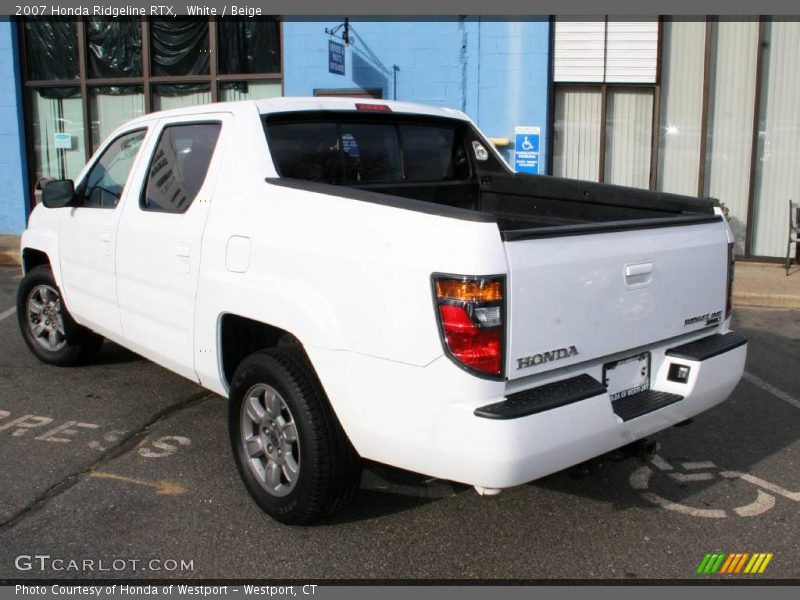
(58, 193)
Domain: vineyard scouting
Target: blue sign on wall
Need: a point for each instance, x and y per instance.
(335, 57)
(526, 149)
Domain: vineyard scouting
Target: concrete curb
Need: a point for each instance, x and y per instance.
(755, 299)
(10, 258)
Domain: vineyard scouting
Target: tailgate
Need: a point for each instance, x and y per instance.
(581, 297)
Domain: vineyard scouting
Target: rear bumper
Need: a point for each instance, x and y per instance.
(434, 419)
(524, 448)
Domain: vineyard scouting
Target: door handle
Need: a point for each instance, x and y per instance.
(638, 275)
(641, 269)
(105, 242)
(183, 262)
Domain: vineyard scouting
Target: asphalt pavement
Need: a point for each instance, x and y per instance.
(123, 461)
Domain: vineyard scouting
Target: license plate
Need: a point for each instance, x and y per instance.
(627, 376)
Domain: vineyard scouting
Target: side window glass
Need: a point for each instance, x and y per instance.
(106, 179)
(179, 166)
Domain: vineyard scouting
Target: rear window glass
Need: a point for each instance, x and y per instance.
(307, 151)
(371, 152)
(433, 153)
(363, 153)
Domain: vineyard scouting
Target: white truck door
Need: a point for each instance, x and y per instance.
(87, 234)
(159, 240)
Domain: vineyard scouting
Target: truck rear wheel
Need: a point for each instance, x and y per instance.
(47, 327)
(290, 449)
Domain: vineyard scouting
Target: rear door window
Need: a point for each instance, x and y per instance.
(179, 166)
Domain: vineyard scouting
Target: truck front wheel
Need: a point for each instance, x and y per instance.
(47, 327)
(290, 449)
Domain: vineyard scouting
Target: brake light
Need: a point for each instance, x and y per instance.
(729, 291)
(373, 107)
(470, 312)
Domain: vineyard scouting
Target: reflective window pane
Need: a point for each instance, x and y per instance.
(110, 107)
(778, 158)
(249, 45)
(681, 105)
(179, 95)
(730, 118)
(230, 91)
(629, 129)
(179, 46)
(57, 132)
(114, 47)
(576, 132)
(51, 49)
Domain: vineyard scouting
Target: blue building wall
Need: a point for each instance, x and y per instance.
(13, 166)
(495, 70)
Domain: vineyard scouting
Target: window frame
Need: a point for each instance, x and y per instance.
(604, 88)
(214, 79)
(161, 130)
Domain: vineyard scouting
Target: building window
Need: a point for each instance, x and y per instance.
(85, 77)
(605, 50)
(730, 119)
(777, 176)
(603, 133)
(605, 75)
(725, 105)
(680, 127)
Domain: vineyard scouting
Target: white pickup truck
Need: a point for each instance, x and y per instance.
(369, 280)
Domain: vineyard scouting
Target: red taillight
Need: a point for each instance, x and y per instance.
(373, 107)
(470, 311)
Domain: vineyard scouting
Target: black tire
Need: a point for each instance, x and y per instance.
(329, 472)
(80, 344)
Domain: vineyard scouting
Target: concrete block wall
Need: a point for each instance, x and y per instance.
(13, 166)
(493, 69)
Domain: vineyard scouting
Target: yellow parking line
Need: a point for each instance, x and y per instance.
(163, 487)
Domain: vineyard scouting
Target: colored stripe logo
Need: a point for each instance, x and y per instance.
(734, 563)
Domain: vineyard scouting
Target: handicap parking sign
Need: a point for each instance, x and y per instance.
(526, 149)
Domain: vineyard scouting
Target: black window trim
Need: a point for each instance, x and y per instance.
(80, 192)
(143, 191)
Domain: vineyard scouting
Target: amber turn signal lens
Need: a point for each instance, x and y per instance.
(469, 291)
